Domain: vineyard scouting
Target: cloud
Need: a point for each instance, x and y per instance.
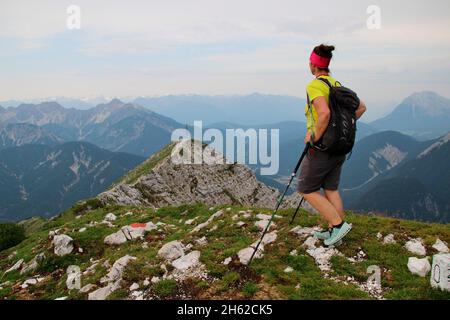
(212, 46)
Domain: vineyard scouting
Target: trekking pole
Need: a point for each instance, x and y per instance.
(280, 200)
(296, 210)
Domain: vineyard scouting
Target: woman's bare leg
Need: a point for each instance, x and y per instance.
(324, 207)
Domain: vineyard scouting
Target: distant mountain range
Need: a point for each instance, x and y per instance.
(425, 115)
(44, 180)
(400, 177)
(115, 126)
(253, 109)
(381, 159)
(376, 154)
(18, 134)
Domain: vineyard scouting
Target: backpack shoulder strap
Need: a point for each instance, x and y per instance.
(326, 81)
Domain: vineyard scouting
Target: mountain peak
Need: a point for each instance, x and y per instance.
(115, 101)
(427, 100)
(166, 179)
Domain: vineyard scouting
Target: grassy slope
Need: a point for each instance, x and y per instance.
(146, 166)
(264, 280)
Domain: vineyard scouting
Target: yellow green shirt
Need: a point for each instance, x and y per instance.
(316, 88)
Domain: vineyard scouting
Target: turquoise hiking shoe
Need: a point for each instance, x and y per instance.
(338, 234)
(322, 235)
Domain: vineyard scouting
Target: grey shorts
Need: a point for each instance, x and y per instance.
(319, 170)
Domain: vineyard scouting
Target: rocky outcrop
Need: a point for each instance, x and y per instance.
(174, 182)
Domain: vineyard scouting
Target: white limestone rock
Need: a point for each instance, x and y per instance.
(440, 246)
(420, 267)
(188, 261)
(416, 246)
(171, 250)
(63, 245)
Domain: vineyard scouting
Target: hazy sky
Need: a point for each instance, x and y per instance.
(132, 48)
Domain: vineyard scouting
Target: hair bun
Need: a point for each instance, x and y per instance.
(324, 50)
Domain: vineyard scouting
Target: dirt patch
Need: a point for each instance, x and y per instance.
(245, 272)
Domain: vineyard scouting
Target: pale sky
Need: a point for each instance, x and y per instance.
(137, 48)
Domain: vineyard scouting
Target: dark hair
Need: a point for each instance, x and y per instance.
(324, 51)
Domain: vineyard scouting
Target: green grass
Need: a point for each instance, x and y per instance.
(146, 166)
(165, 288)
(265, 278)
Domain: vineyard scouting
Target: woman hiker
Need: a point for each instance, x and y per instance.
(320, 169)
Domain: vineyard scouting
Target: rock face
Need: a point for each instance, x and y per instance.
(171, 182)
(63, 244)
(419, 266)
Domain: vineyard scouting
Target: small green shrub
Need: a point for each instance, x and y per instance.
(165, 288)
(55, 262)
(249, 289)
(11, 234)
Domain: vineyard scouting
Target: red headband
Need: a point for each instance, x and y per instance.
(318, 61)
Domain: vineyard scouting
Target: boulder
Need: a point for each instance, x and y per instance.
(268, 238)
(103, 293)
(133, 232)
(171, 250)
(416, 246)
(16, 266)
(33, 264)
(246, 253)
(116, 238)
(440, 246)
(188, 261)
(110, 217)
(262, 224)
(388, 239)
(31, 281)
(418, 266)
(63, 244)
(116, 271)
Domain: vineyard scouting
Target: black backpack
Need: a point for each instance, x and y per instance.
(339, 137)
